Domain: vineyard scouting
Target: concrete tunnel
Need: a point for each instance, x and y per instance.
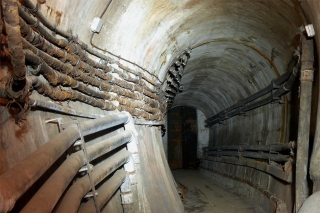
(88, 89)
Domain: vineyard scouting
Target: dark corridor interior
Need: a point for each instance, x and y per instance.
(182, 138)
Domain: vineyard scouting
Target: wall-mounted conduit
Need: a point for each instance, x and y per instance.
(172, 85)
(65, 63)
(281, 153)
(276, 89)
(69, 36)
(274, 159)
(13, 186)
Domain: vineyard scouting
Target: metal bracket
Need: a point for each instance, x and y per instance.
(56, 120)
(78, 143)
(88, 167)
(274, 86)
(90, 194)
(85, 168)
(274, 98)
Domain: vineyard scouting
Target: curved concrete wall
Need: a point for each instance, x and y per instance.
(237, 48)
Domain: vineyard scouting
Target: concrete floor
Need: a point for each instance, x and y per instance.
(208, 197)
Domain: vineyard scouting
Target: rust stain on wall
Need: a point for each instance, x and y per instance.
(57, 14)
(191, 4)
(58, 17)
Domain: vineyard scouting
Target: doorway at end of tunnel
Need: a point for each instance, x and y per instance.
(182, 138)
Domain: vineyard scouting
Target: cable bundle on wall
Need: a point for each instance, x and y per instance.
(277, 88)
(172, 85)
(66, 63)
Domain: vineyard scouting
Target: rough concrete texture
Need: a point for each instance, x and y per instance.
(269, 192)
(209, 197)
(203, 133)
(238, 47)
(158, 190)
(19, 142)
(312, 204)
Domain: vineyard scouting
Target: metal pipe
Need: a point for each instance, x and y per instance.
(62, 177)
(306, 80)
(54, 107)
(75, 49)
(11, 21)
(68, 69)
(70, 202)
(61, 95)
(70, 47)
(57, 108)
(274, 84)
(43, 88)
(42, 59)
(93, 52)
(59, 42)
(35, 11)
(265, 148)
(69, 36)
(24, 14)
(105, 192)
(56, 78)
(242, 109)
(265, 156)
(271, 169)
(12, 186)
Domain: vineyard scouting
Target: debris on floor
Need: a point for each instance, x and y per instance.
(182, 190)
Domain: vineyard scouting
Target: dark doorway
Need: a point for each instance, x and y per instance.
(182, 138)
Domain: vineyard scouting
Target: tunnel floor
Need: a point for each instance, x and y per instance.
(208, 197)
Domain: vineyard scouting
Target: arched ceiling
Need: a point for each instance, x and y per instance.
(238, 46)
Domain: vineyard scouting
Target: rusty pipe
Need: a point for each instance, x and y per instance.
(56, 78)
(78, 74)
(45, 22)
(104, 192)
(43, 44)
(13, 186)
(11, 21)
(58, 108)
(306, 81)
(54, 107)
(42, 29)
(69, 36)
(62, 95)
(70, 202)
(43, 88)
(62, 177)
(70, 47)
(34, 38)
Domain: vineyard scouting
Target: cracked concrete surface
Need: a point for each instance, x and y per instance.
(206, 196)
